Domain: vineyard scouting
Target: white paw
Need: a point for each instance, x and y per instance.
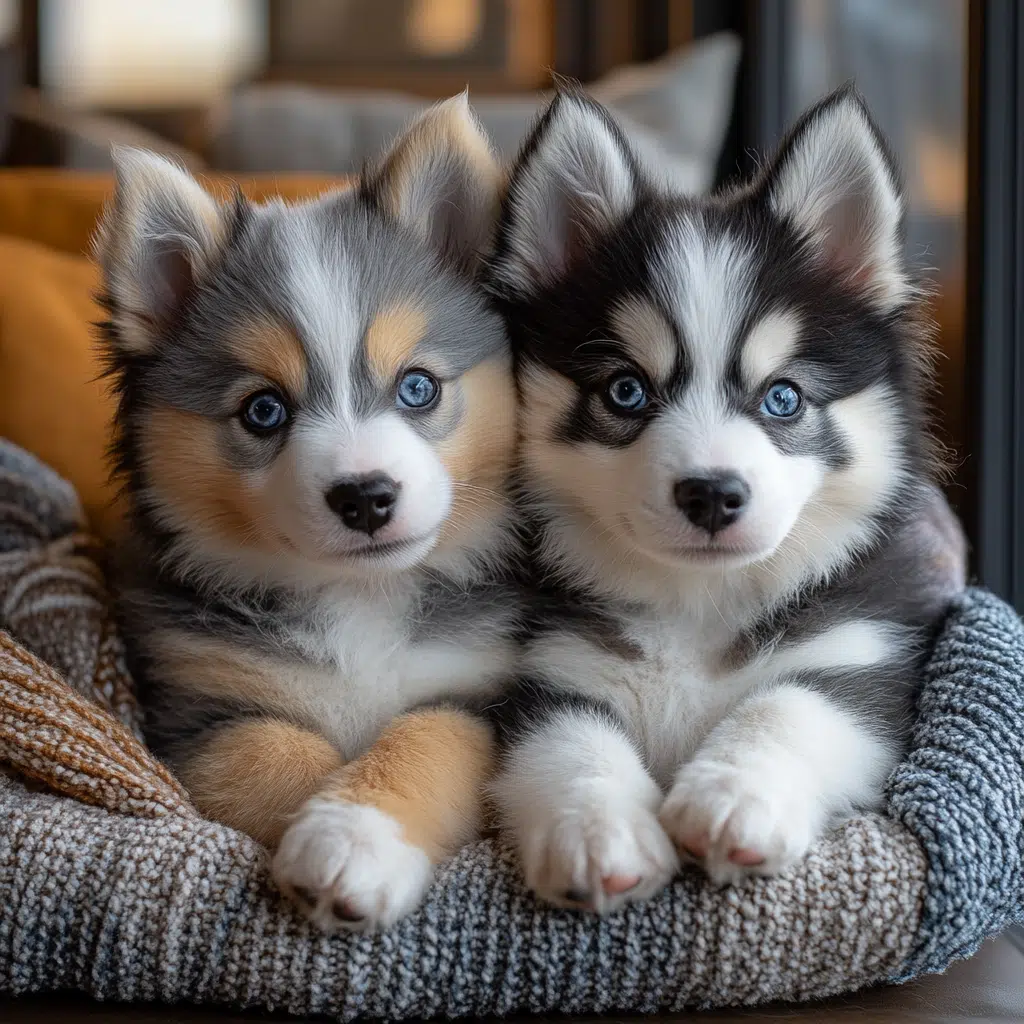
(738, 821)
(597, 851)
(348, 866)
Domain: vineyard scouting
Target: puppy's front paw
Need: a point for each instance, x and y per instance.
(348, 866)
(596, 852)
(739, 820)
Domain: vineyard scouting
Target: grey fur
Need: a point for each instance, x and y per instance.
(249, 594)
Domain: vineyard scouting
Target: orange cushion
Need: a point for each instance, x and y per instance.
(59, 208)
(51, 400)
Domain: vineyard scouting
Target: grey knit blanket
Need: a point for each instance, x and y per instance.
(111, 883)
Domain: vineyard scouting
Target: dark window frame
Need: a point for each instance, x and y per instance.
(994, 511)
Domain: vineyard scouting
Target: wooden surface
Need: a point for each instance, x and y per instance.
(989, 987)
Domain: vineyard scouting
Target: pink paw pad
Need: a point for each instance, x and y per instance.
(615, 885)
(746, 858)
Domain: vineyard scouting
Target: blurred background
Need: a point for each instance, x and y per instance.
(248, 86)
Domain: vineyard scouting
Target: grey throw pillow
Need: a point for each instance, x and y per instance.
(676, 109)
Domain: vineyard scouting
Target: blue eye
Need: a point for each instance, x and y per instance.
(782, 399)
(626, 393)
(417, 390)
(264, 413)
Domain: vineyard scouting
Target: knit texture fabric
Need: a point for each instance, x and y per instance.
(112, 884)
(961, 790)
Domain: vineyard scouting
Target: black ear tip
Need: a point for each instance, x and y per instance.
(849, 97)
(577, 102)
(569, 93)
(846, 101)
(852, 100)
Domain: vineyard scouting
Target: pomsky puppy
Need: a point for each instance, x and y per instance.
(740, 556)
(315, 426)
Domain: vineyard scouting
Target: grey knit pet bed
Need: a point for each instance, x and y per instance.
(110, 883)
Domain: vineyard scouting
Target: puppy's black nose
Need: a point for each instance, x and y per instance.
(364, 503)
(712, 502)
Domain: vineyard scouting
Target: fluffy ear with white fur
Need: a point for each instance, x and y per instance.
(576, 178)
(442, 179)
(835, 179)
(155, 240)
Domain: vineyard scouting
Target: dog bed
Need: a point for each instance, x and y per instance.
(112, 884)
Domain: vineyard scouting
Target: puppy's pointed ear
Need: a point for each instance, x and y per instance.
(441, 179)
(575, 179)
(835, 180)
(155, 240)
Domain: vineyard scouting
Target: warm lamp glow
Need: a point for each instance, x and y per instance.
(134, 53)
(443, 28)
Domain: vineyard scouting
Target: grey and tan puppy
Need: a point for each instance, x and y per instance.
(315, 424)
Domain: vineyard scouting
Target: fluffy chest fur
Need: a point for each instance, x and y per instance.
(344, 660)
(370, 659)
(663, 680)
(671, 672)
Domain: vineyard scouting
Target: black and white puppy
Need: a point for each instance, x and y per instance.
(740, 556)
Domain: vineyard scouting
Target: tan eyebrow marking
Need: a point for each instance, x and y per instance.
(272, 350)
(768, 347)
(392, 337)
(648, 336)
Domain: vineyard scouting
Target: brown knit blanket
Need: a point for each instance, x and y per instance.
(68, 715)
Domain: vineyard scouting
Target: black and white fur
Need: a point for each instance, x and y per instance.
(722, 685)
